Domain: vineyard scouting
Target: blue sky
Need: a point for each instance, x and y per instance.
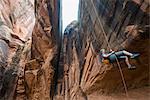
(69, 11)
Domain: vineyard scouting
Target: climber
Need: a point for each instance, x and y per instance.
(111, 57)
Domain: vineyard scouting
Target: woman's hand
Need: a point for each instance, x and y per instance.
(111, 50)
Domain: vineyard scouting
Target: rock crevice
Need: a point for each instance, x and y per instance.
(37, 64)
(125, 26)
(28, 48)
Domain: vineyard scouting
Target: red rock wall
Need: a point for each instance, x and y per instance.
(28, 48)
(126, 27)
(17, 22)
(45, 37)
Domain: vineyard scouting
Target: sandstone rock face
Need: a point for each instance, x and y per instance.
(28, 48)
(125, 24)
(16, 25)
(39, 71)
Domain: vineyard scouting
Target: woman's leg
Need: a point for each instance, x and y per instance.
(127, 53)
(128, 64)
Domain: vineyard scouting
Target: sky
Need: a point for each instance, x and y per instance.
(69, 11)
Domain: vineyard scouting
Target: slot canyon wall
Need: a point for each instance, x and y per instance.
(29, 43)
(34, 66)
(125, 23)
(17, 22)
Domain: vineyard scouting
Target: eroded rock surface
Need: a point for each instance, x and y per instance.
(39, 71)
(28, 49)
(125, 24)
(16, 25)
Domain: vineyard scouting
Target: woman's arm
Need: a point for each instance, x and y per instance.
(107, 55)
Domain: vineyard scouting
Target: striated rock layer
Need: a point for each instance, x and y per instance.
(30, 50)
(39, 72)
(126, 27)
(16, 25)
(29, 43)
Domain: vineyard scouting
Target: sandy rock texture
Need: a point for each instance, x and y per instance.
(28, 48)
(124, 22)
(37, 64)
(16, 25)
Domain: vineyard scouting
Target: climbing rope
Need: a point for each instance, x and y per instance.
(119, 66)
(122, 76)
(103, 31)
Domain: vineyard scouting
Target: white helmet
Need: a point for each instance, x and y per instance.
(102, 50)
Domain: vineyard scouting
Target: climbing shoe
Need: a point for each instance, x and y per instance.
(135, 56)
(132, 67)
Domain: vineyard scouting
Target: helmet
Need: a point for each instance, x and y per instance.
(102, 50)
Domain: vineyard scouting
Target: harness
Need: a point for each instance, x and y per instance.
(105, 60)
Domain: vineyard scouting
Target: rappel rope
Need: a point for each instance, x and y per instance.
(119, 66)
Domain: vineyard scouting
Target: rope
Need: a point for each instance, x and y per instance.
(122, 76)
(119, 66)
(103, 31)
